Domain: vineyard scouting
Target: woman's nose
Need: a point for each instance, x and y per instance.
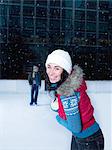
(51, 72)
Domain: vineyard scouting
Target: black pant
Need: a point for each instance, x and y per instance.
(34, 93)
(93, 142)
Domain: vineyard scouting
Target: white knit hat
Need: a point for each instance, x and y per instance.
(61, 58)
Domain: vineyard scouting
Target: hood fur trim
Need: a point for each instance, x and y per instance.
(72, 83)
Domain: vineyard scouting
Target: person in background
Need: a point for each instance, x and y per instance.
(35, 82)
(75, 111)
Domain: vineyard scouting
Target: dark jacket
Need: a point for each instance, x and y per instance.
(37, 79)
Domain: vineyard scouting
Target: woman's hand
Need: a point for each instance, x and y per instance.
(54, 105)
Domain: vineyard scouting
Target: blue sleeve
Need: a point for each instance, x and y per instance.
(73, 126)
(74, 123)
(70, 105)
(62, 121)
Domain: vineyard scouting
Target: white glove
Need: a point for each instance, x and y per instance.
(54, 105)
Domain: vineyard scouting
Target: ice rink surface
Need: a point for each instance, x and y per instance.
(25, 127)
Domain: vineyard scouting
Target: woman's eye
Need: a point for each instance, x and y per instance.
(57, 69)
(48, 67)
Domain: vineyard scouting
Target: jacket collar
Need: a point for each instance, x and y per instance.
(72, 83)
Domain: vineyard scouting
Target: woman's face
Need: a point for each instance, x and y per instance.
(54, 72)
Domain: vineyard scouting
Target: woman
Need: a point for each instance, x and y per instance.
(75, 111)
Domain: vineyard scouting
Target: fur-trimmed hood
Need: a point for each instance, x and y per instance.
(72, 83)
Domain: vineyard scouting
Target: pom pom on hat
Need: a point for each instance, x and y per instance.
(61, 58)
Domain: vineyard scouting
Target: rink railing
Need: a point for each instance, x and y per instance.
(23, 86)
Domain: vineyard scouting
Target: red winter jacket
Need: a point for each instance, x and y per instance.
(85, 108)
